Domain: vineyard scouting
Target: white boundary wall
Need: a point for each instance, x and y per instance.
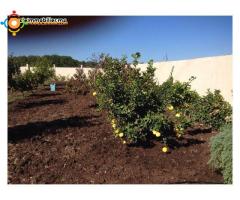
(210, 72)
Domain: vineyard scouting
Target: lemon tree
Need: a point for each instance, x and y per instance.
(139, 108)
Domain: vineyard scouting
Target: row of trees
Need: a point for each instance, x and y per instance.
(59, 61)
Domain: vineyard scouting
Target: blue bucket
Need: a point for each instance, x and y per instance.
(53, 87)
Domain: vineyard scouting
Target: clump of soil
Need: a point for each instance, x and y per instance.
(62, 138)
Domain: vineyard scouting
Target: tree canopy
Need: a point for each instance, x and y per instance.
(59, 61)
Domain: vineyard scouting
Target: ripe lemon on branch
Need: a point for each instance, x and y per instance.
(178, 115)
(120, 134)
(156, 133)
(116, 131)
(170, 107)
(113, 121)
(165, 149)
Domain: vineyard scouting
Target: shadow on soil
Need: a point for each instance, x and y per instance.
(34, 129)
(33, 104)
(195, 131)
(45, 95)
(186, 142)
(172, 143)
(146, 145)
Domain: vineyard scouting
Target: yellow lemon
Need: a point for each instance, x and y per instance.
(176, 129)
(158, 134)
(165, 149)
(170, 107)
(120, 135)
(154, 132)
(113, 121)
(124, 142)
(116, 131)
(114, 126)
(178, 115)
(94, 94)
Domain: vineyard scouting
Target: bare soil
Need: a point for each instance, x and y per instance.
(62, 138)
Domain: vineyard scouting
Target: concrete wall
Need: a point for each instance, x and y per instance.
(210, 72)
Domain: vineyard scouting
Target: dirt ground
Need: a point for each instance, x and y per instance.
(62, 138)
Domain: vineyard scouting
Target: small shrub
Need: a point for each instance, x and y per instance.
(25, 82)
(43, 70)
(78, 83)
(31, 79)
(60, 78)
(221, 152)
(212, 110)
(80, 75)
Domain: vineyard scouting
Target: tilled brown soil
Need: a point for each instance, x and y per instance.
(62, 138)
